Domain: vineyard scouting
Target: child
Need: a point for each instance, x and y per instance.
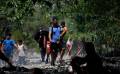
(48, 51)
(69, 46)
(21, 54)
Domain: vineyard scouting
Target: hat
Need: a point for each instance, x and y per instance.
(54, 17)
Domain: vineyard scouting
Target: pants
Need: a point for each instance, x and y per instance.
(43, 52)
(4, 58)
(8, 54)
(54, 53)
(21, 60)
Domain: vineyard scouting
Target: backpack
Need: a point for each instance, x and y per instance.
(38, 35)
(56, 31)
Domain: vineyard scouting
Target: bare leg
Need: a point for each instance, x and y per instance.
(62, 53)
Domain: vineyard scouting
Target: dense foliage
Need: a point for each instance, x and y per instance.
(96, 20)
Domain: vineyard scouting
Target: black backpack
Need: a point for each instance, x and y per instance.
(42, 31)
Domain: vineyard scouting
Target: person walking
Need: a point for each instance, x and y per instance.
(54, 38)
(6, 51)
(48, 51)
(8, 46)
(21, 53)
(62, 41)
(69, 46)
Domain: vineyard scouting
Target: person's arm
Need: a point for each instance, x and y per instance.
(50, 36)
(15, 45)
(69, 38)
(2, 47)
(64, 31)
(72, 41)
(50, 32)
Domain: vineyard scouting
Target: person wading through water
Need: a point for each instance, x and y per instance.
(8, 46)
(48, 49)
(41, 36)
(2, 56)
(54, 37)
(62, 42)
(69, 45)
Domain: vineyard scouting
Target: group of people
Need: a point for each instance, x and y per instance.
(52, 42)
(6, 50)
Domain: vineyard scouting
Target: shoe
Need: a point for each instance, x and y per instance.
(52, 63)
(12, 68)
(46, 62)
(43, 61)
(61, 61)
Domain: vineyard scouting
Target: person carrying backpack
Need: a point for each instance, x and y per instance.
(41, 37)
(54, 37)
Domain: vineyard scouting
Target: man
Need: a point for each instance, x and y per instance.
(62, 42)
(8, 46)
(3, 57)
(54, 37)
(41, 37)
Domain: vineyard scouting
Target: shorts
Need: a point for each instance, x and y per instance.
(54, 47)
(3, 57)
(62, 45)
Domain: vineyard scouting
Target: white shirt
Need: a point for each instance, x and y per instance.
(70, 43)
(21, 50)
